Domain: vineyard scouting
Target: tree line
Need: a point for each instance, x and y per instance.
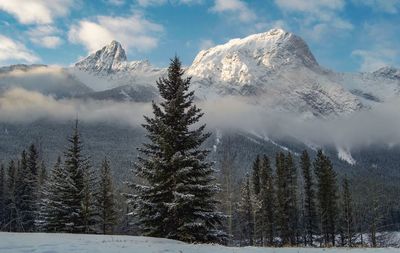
(70, 197)
(281, 203)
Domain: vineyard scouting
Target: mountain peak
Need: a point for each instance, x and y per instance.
(104, 60)
(259, 53)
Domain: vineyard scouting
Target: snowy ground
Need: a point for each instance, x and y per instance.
(68, 243)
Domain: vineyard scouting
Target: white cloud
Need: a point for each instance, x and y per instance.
(45, 36)
(237, 7)
(116, 2)
(206, 44)
(376, 58)
(388, 6)
(13, 50)
(319, 7)
(319, 19)
(134, 32)
(381, 47)
(36, 11)
(146, 3)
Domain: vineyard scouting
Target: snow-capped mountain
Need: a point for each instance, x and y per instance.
(277, 69)
(108, 68)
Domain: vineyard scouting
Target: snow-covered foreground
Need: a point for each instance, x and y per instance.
(68, 243)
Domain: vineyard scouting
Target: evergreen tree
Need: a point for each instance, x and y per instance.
(106, 199)
(77, 199)
(283, 199)
(347, 224)
(176, 199)
(26, 193)
(89, 212)
(267, 197)
(11, 207)
(292, 198)
(256, 175)
(246, 214)
(33, 161)
(54, 212)
(3, 195)
(310, 217)
(227, 194)
(327, 196)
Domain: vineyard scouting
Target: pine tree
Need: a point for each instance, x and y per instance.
(3, 195)
(310, 217)
(267, 197)
(257, 202)
(106, 199)
(283, 199)
(227, 193)
(33, 161)
(292, 198)
(347, 224)
(11, 207)
(54, 213)
(246, 213)
(26, 195)
(327, 197)
(176, 199)
(77, 199)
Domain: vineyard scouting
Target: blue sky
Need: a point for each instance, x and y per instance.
(344, 35)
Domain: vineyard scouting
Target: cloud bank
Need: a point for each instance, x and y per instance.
(134, 32)
(376, 126)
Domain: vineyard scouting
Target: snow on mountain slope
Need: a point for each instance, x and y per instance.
(277, 70)
(109, 68)
(65, 243)
(376, 87)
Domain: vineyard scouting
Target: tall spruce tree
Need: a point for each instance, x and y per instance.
(347, 218)
(54, 212)
(310, 212)
(246, 214)
(106, 199)
(77, 199)
(176, 199)
(26, 192)
(327, 197)
(283, 199)
(292, 198)
(227, 194)
(267, 197)
(11, 207)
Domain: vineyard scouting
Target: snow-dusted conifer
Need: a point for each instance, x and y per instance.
(106, 205)
(267, 198)
(77, 199)
(176, 199)
(11, 207)
(327, 197)
(26, 195)
(246, 214)
(310, 212)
